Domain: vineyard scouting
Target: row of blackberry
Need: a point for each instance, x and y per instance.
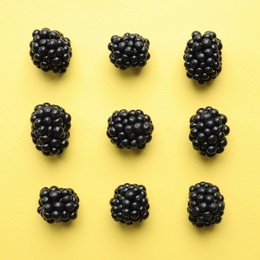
(50, 125)
(50, 50)
(130, 204)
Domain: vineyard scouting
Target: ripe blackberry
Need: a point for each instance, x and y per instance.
(206, 205)
(130, 50)
(58, 204)
(50, 50)
(129, 204)
(203, 61)
(208, 130)
(50, 128)
(130, 129)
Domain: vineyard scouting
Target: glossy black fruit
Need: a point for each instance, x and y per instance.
(208, 131)
(50, 125)
(202, 55)
(129, 204)
(58, 204)
(50, 50)
(129, 50)
(130, 129)
(206, 205)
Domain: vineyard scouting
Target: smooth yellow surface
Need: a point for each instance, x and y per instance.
(90, 91)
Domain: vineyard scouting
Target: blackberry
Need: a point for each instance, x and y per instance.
(130, 129)
(129, 50)
(208, 130)
(129, 204)
(203, 60)
(58, 204)
(206, 205)
(50, 128)
(50, 50)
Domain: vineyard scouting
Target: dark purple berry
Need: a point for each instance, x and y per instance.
(50, 50)
(206, 205)
(58, 204)
(208, 131)
(130, 129)
(202, 55)
(50, 128)
(129, 50)
(129, 204)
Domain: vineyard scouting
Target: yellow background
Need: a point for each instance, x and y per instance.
(90, 91)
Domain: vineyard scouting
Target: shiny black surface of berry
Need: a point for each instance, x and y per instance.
(50, 50)
(208, 131)
(206, 205)
(58, 204)
(130, 129)
(50, 126)
(203, 57)
(129, 204)
(129, 50)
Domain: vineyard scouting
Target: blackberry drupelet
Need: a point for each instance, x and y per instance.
(202, 55)
(50, 128)
(130, 129)
(50, 50)
(208, 130)
(206, 205)
(129, 204)
(130, 50)
(58, 204)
